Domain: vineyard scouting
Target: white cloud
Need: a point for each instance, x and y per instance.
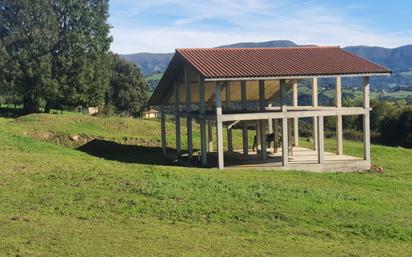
(305, 22)
(166, 40)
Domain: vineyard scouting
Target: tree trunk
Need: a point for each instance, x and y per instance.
(48, 107)
(30, 105)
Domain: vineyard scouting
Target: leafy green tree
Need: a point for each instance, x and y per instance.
(128, 90)
(405, 127)
(26, 36)
(389, 129)
(382, 110)
(80, 57)
(396, 125)
(55, 51)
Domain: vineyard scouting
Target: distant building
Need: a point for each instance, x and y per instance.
(92, 110)
(150, 114)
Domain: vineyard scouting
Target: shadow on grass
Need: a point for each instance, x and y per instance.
(7, 112)
(125, 153)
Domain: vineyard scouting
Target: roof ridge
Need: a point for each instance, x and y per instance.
(254, 48)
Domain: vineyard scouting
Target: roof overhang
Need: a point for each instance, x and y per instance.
(300, 77)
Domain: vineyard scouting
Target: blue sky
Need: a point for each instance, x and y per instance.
(163, 25)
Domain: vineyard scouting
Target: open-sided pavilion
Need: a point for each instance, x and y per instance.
(243, 86)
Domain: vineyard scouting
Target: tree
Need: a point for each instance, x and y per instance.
(390, 131)
(382, 110)
(26, 36)
(405, 127)
(55, 51)
(396, 124)
(128, 90)
(80, 57)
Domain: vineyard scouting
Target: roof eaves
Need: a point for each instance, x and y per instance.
(153, 101)
(299, 76)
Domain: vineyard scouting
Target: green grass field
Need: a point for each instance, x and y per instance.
(58, 201)
(357, 94)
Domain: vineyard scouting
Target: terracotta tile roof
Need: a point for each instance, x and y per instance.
(271, 63)
(151, 110)
(277, 62)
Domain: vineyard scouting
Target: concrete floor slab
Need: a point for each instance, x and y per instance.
(299, 159)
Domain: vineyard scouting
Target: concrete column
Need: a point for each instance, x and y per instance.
(321, 138)
(244, 123)
(366, 137)
(270, 128)
(271, 144)
(188, 113)
(295, 120)
(203, 149)
(263, 140)
(262, 95)
(270, 124)
(209, 137)
(283, 95)
(258, 137)
(177, 119)
(163, 127)
(339, 123)
(219, 137)
(275, 135)
(285, 153)
(366, 121)
(245, 138)
(219, 127)
(229, 130)
(229, 139)
(285, 144)
(262, 123)
(290, 136)
(315, 104)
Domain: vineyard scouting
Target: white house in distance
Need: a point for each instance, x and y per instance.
(242, 86)
(150, 114)
(92, 110)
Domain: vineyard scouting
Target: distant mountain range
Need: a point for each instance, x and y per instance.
(150, 63)
(399, 60)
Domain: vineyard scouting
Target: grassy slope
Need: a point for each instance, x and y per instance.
(57, 201)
